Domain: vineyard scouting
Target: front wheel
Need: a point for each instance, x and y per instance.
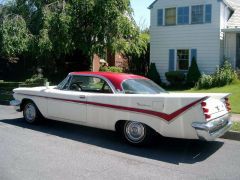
(136, 133)
(31, 113)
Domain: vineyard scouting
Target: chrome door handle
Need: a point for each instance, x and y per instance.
(82, 97)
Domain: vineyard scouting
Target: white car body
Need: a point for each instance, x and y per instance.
(178, 115)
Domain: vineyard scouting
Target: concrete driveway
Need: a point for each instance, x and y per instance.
(56, 150)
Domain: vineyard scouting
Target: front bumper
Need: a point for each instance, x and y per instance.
(16, 104)
(213, 129)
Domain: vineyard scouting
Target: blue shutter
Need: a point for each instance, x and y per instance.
(171, 60)
(208, 13)
(183, 15)
(193, 54)
(186, 15)
(160, 17)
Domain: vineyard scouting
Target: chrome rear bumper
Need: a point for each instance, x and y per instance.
(213, 129)
(16, 103)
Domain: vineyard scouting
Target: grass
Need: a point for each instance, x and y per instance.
(236, 126)
(234, 98)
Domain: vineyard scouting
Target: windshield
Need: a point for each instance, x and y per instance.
(141, 86)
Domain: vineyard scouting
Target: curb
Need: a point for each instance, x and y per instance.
(4, 102)
(232, 135)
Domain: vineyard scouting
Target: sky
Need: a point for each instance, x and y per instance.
(141, 12)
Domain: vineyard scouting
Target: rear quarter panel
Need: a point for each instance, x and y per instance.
(180, 126)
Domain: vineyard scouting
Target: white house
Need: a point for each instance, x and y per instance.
(208, 30)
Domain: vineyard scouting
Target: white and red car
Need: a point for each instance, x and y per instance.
(132, 104)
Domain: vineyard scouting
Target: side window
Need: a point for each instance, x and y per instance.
(170, 16)
(64, 84)
(89, 84)
(197, 14)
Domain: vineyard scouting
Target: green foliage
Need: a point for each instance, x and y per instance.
(8, 86)
(36, 79)
(111, 69)
(153, 74)
(47, 33)
(14, 37)
(139, 63)
(193, 74)
(236, 126)
(223, 76)
(175, 78)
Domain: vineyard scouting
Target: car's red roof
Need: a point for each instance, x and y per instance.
(115, 78)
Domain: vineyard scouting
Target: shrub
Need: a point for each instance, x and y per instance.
(8, 86)
(153, 74)
(238, 73)
(111, 69)
(223, 76)
(36, 80)
(205, 82)
(193, 74)
(175, 78)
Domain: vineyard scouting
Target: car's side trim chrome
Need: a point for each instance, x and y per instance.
(167, 117)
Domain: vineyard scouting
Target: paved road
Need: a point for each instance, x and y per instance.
(56, 150)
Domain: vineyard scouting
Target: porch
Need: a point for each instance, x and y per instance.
(231, 47)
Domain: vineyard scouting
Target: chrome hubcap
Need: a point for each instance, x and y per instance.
(30, 112)
(135, 131)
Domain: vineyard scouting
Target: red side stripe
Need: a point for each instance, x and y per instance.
(167, 117)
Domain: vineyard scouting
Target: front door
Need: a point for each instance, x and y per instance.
(67, 105)
(238, 52)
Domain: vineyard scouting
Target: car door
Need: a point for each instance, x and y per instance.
(67, 104)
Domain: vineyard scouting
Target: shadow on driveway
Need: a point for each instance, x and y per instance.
(169, 150)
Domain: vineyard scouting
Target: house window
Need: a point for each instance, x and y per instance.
(197, 14)
(208, 13)
(183, 15)
(182, 59)
(170, 16)
(160, 17)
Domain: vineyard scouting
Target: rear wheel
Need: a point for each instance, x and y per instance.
(31, 113)
(136, 133)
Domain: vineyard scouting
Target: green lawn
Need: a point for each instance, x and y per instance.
(234, 89)
(236, 126)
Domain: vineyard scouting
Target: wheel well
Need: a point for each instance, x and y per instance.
(120, 124)
(25, 101)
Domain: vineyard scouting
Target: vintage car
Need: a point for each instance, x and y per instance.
(131, 104)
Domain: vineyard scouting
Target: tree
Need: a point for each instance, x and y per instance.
(193, 74)
(51, 31)
(14, 37)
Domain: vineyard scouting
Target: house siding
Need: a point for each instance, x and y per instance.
(203, 37)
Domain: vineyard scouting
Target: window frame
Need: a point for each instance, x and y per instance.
(165, 15)
(177, 61)
(70, 78)
(203, 13)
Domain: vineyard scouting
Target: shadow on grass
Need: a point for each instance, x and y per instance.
(168, 150)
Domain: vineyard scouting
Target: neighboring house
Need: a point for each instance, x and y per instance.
(113, 59)
(208, 30)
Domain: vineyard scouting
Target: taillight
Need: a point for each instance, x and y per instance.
(205, 110)
(227, 104)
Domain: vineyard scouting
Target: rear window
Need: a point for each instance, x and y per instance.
(141, 86)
